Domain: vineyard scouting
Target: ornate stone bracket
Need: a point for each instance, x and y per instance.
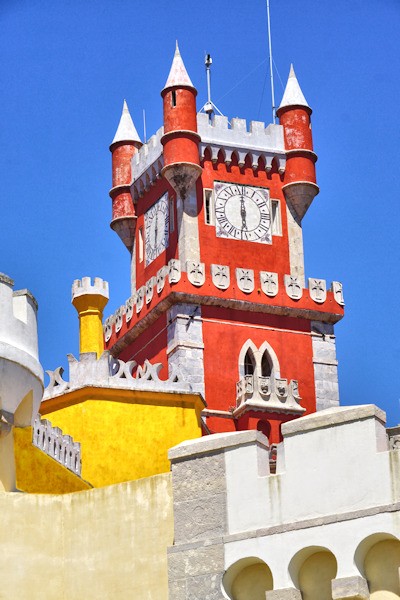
(60, 447)
(267, 394)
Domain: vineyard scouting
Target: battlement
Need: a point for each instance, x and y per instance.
(256, 140)
(147, 164)
(84, 286)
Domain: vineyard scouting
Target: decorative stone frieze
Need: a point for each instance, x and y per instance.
(174, 270)
(140, 295)
(56, 384)
(317, 289)
(129, 308)
(108, 327)
(293, 287)
(245, 280)
(220, 276)
(195, 272)
(337, 289)
(119, 318)
(269, 283)
(160, 279)
(60, 447)
(268, 394)
(150, 289)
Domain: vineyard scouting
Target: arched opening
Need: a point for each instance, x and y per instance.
(266, 365)
(248, 579)
(382, 569)
(316, 574)
(249, 363)
(264, 427)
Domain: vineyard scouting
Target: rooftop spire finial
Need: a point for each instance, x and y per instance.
(126, 131)
(293, 96)
(178, 76)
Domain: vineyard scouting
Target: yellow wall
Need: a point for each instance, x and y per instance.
(36, 472)
(315, 576)
(107, 543)
(382, 570)
(126, 434)
(252, 583)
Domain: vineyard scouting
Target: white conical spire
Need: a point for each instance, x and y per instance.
(126, 131)
(293, 96)
(178, 76)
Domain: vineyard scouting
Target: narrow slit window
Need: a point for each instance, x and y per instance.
(249, 363)
(140, 249)
(276, 217)
(208, 207)
(171, 215)
(173, 98)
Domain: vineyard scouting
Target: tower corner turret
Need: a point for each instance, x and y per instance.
(89, 301)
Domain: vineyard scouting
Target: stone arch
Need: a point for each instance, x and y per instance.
(312, 570)
(378, 560)
(247, 579)
(264, 350)
(267, 349)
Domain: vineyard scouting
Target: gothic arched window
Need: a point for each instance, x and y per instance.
(266, 366)
(249, 363)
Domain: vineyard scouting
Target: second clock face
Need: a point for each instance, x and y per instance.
(156, 222)
(242, 212)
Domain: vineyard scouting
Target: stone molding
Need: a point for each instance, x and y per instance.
(61, 447)
(284, 594)
(219, 276)
(108, 372)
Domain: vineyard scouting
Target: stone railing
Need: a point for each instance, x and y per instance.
(61, 447)
(108, 372)
(268, 394)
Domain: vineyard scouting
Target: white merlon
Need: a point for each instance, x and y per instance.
(126, 131)
(147, 164)
(84, 286)
(293, 96)
(178, 76)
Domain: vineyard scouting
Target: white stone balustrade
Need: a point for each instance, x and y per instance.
(61, 447)
(269, 394)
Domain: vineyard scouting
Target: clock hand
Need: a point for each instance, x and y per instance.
(243, 213)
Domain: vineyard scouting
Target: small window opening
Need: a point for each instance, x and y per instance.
(266, 369)
(276, 218)
(249, 365)
(208, 207)
(171, 215)
(140, 249)
(173, 98)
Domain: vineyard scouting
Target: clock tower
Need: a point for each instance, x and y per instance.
(212, 216)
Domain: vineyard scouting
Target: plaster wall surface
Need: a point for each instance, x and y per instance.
(107, 543)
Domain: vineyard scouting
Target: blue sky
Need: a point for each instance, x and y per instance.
(67, 66)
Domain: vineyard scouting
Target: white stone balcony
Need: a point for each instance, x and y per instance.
(267, 394)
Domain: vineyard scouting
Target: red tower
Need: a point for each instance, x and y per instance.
(218, 284)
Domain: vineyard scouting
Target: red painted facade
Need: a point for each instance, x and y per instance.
(229, 317)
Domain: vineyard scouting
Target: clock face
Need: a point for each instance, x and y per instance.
(242, 212)
(156, 223)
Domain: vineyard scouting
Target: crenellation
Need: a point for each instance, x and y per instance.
(84, 286)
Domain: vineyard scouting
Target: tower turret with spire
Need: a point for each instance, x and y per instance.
(125, 144)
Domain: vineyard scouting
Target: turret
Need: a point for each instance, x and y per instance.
(294, 114)
(180, 139)
(90, 301)
(125, 144)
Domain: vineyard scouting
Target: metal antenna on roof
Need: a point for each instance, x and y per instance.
(209, 106)
(270, 64)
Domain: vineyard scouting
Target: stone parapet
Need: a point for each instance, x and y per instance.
(60, 447)
(267, 394)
